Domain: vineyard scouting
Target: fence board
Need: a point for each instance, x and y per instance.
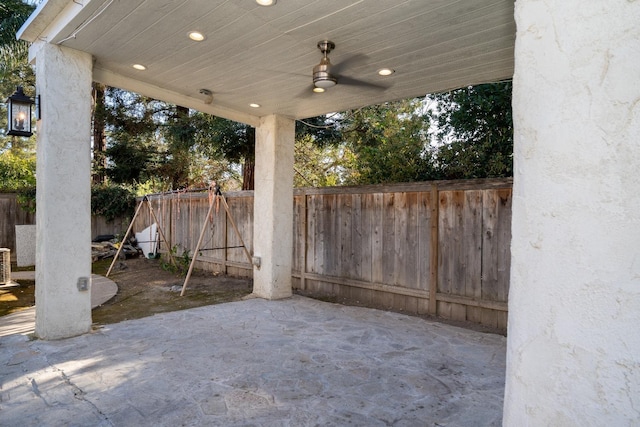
(472, 224)
(356, 236)
(366, 237)
(496, 255)
(377, 238)
(311, 235)
(446, 250)
(424, 240)
(299, 220)
(388, 239)
(344, 215)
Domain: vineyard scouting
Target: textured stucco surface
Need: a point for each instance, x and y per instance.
(63, 217)
(574, 304)
(273, 207)
(25, 245)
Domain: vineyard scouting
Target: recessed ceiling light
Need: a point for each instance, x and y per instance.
(385, 71)
(196, 36)
(253, 105)
(266, 2)
(139, 67)
(318, 89)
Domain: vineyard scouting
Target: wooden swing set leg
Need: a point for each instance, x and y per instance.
(204, 228)
(173, 261)
(233, 224)
(195, 252)
(124, 239)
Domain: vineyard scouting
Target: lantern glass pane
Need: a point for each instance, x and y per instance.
(21, 117)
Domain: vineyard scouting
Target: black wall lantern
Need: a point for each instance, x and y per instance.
(19, 110)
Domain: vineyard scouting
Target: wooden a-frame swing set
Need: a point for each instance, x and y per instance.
(213, 201)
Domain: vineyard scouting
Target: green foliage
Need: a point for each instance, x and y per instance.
(219, 138)
(27, 199)
(182, 261)
(112, 201)
(17, 171)
(475, 126)
(13, 13)
(14, 67)
(389, 142)
(321, 166)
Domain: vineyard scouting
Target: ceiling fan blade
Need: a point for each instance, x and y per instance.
(344, 80)
(351, 61)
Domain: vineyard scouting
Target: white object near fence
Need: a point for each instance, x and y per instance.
(148, 240)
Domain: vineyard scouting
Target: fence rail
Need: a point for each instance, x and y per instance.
(440, 248)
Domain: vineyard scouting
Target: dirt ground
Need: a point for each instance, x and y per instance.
(145, 288)
(16, 298)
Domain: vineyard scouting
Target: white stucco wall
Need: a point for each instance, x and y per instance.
(573, 355)
(273, 207)
(63, 196)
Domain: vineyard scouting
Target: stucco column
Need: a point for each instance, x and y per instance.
(573, 353)
(63, 201)
(273, 207)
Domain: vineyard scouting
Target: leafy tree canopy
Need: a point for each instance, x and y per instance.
(474, 131)
(389, 142)
(14, 68)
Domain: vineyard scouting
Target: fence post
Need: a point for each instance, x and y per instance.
(433, 260)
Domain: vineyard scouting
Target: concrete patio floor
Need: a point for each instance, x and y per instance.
(293, 362)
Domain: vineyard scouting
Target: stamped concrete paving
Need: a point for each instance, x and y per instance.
(294, 362)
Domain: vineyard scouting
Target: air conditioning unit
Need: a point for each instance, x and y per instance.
(5, 266)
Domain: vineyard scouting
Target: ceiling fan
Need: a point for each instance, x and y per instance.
(326, 74)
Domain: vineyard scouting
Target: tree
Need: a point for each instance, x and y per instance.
(14, 68)
(475, 131)
(130, 134)
(13, 52)
(233, 141)
(17, 172)
(318, 165)
(389, 142)
(99, 137)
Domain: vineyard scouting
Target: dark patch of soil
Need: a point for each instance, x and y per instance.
(16, 298)
(145, 288)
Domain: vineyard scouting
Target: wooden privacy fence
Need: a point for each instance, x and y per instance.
(11, 214)
(440, 248)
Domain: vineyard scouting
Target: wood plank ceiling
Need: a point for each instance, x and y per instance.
(265, 55)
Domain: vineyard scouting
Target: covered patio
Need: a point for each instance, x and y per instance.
(575, 291)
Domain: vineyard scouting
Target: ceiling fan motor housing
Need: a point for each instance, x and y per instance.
(321, 76)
